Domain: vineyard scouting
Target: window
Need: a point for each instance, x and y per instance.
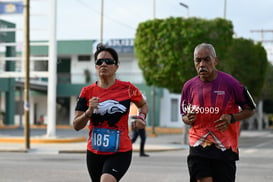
(84, 58)
(41, 65)
(19, 109)
(174, 110)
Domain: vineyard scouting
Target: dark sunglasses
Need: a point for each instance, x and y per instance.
(107, 61)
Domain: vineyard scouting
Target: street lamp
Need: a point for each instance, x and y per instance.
(101, 21)
(225, 9)
(154, 9)
(185, 6)
(186, 128)
(153, 87)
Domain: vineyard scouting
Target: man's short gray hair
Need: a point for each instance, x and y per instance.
(205, 46)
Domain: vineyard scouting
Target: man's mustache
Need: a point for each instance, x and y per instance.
(202, 70)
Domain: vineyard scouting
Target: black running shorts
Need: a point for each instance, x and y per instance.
(115, 164)
(219, 170)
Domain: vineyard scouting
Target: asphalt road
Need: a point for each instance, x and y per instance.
(255, 165)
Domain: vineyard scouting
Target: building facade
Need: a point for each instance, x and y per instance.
(75, 69)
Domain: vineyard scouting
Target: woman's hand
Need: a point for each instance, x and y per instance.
(93, 104)
(138, 123)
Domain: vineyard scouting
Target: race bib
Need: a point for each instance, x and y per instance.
(105, 140)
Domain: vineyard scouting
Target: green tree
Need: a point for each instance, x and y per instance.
(164, 47)
(248, 63)
(267, 92)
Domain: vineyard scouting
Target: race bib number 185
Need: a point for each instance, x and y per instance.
(105, 140)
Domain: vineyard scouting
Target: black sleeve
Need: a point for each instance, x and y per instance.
(249, 99)
(81, 104)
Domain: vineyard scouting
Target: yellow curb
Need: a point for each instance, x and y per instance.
(152, 135)
(35, 126)
(160, 130)
(9, 127)
(149, 129)
(134, 150)
(44, 140)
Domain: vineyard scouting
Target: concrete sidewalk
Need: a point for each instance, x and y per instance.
(69, 141)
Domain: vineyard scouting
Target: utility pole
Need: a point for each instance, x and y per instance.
(260, 104)
(26, 84)
(153, 91)
(262, 32)
(186, 128)
(52, 73)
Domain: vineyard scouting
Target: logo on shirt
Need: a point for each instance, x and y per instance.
(188, 108)
(110, 107)
(219, 92)
(110, 111)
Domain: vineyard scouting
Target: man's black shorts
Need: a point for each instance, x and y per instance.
(219, 170)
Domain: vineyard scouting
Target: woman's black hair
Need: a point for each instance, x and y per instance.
(101, 47)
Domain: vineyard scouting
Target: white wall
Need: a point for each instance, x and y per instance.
(165, 110)
(77, 69)
(73, 102)
(41, 102)
(130, 71)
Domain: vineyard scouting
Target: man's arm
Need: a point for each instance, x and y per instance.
(226, 119)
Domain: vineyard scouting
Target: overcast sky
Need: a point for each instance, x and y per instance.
(80, 19)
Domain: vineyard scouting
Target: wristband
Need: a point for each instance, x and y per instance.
(232, 120)
(142, 116)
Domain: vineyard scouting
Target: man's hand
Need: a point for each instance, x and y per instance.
(223, 122)
(189, 118)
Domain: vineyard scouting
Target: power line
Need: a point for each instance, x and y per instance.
(262, 32)
(86, 5)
